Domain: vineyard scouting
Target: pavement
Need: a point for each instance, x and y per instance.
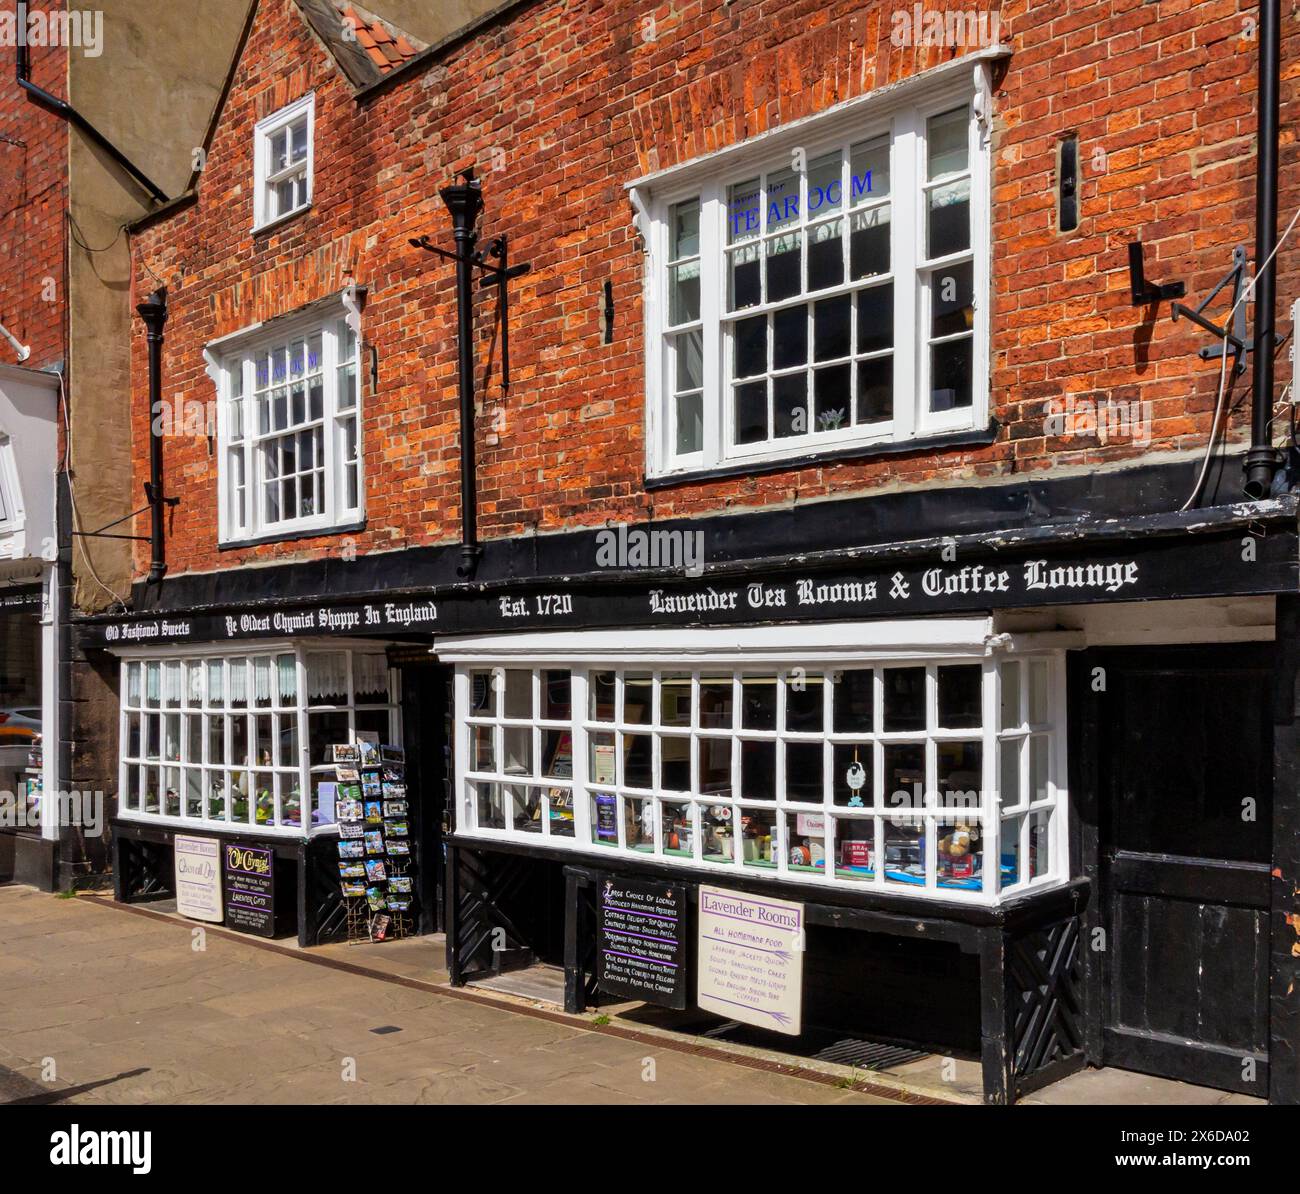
(102, 1003)
(102, 1006)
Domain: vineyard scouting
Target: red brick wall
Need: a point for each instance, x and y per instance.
(570, 101)
(33, 199)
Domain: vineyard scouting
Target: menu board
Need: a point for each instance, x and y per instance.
(198, 877)
(640, 935)
(250, 889)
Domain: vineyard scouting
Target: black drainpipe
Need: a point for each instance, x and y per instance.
(66, 111)
(1262, 458)
(154, 313)
(465, 200)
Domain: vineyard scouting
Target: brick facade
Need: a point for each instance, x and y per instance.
(33, 204)
(558, 105)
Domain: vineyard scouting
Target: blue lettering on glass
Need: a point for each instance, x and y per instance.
(862, 184)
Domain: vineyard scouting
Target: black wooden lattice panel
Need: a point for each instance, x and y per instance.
(486, 884)
(1043, 978)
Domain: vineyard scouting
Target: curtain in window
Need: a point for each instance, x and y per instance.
(216, 673)
(287, 667)
(327, 675)
(370, 675)
(262, 680)
(151, 683)
(238, 682)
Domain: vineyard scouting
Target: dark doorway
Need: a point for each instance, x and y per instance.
(427, 735)
(1185, 794)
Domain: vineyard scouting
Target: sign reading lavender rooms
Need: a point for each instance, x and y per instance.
(751, 959)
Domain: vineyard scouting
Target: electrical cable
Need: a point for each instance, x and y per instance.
(72, 497)
(1223, 365)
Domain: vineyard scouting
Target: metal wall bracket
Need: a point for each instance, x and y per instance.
(1143, 292)
(1233, 340)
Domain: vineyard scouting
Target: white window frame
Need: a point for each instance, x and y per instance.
(675, 656)
(12, 516)
(264, 179)
(283, 772)
(903, 117)
(232, 366)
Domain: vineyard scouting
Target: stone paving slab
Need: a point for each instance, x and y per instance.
(131, 1013)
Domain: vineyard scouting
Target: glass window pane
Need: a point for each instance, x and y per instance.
(947, 141)
(686, 229)
(904, 852)
(875, 392)
(960, 686)
(517, 750)
(684, 293)
(689, 360)
(323, 731)
(961, 775)
(557, 698)
(524, 808)
(1009, 772)
(327, 678)
(483, 748)
(831, 397)
(869, 252)
(718, 833)
(638, 698)
(825, 188)
(639, 823)
(638, 760)
(826, 255)
(782, 199)
(831, 327)
(948, 218)
(557, 753)
(783, 267)
(675, 700)
(678, 830)
(1010, 674)
(951, 367)
(876, 318)
(601, 687)
(1012, 872)
(952, 292)
(804, 767)
(715, 701)
(744, 219)
(904, 775)
(1040, 859)
(855, 848)
(869, 171)
(960, 853)
(904, 698)
(749, 346)
(689, 436)
(1039, 775)
(758, 702)
(853, 774)
(790, 337)
(790, 404)
(489, 805)
(518, 694)
(804, 704)
(758, 770)
(758, 837)
(715, 767)
(744, 286)
(675, 764)
(1038, 696)
(751, 412)
(805, 842)
(482, 694)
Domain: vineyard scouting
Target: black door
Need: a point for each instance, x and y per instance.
(1186, 832)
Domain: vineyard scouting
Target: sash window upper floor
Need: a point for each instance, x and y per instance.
(290, 460)
(282, 157)
(825, 293)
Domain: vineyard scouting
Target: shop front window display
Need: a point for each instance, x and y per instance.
(902, 775)
(245, 739)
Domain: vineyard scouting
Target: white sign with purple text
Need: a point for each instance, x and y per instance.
(751, 959)
(198, 878)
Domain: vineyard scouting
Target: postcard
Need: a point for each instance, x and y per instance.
(375, 898)
(353, 891)
(347, 775)
(375, 870)
(374, 841)
(374, 812)
(346, 752)
(397, 845)
(353, 830)
(352, 870)
(400, 883)
(395, 829)
(351, 850)
(394, 808)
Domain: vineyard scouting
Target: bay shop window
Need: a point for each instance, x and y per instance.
(823, 293)
(931, 775)
(243, 739)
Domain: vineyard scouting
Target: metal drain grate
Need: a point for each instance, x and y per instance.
(867, 1055)
(850, 1051)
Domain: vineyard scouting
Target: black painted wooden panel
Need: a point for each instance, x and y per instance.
(1186, 749)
